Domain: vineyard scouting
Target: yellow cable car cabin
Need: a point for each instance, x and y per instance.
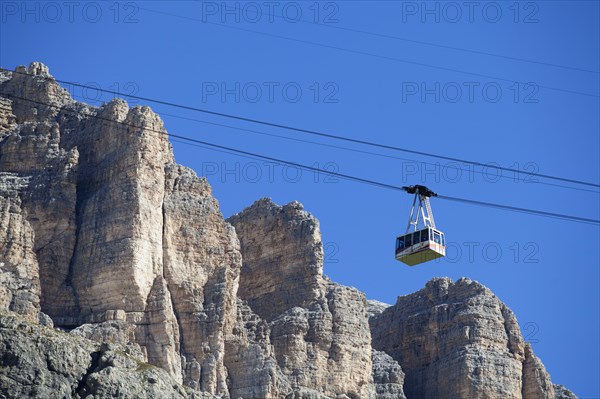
(424, 244)
(420, 246)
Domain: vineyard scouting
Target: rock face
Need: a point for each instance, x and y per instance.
(38, 362)
(19, 272)
(281, 246)
(374, 308)
(387, 377)
(250, 359)
(105, 237)
(459, 340)
(561, 392)
(319, 330)
(97, 209)
(202, 272)
(536, 381)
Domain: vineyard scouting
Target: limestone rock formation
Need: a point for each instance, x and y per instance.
(376, 307)
(105, 237)
(536, 381)
(319, 330)
(119, 231)
(201, 267)
(19, 272)
(281, 246)
(115, 331)
(459, 340)
(561, 392)
(38, 362)
(388, 377)
(250, 360)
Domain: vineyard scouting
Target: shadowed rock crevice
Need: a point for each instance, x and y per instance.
(82, 389)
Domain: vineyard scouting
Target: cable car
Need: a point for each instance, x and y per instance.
(425, 243)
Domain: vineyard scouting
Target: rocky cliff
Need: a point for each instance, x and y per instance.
(40, 362)
(119, 277)
(459, 340)
(318, 330)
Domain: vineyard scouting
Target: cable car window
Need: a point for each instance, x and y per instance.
(408, 240)
(424, 235)
(443, 240)
(417, 237)
(400, 243)
(437, 238)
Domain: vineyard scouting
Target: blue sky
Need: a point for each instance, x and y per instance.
(514, 84)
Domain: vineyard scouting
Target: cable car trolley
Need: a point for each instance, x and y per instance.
(422, 244)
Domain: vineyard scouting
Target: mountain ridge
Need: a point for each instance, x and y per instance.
(107, 237)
